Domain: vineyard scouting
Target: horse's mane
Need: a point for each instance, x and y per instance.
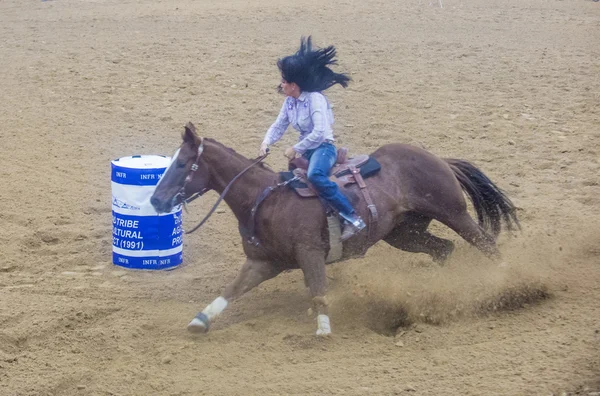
(261, 165)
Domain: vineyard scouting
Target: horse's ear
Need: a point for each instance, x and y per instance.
(190, 136)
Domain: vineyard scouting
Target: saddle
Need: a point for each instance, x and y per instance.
(342, 159)
(346, 171)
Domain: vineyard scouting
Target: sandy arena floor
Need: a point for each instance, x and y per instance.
(510, 85)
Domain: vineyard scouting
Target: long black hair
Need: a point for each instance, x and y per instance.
(309, 68)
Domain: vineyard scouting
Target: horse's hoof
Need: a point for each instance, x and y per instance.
(323, 333)
(199, 324)
(441, 257)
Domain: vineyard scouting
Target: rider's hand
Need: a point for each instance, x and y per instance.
(290, 153)
(264, 148)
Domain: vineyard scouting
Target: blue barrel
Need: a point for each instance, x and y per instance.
(143, 239)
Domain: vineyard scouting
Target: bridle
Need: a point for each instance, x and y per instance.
(188, 179)
(190, 176)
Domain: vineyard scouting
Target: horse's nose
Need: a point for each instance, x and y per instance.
(155, 202)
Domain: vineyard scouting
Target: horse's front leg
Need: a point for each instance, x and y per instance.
(253, 273)
(312, 263)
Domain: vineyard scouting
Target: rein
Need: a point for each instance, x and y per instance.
(195, 196)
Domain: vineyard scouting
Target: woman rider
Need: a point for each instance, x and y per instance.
(304, 76)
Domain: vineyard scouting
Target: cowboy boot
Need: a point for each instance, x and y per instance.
(352, 226)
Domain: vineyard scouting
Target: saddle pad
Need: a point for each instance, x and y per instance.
(285, 176)
(368, 169)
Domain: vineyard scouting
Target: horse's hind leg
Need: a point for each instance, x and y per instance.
(411, 236)
(252, 274)
(467, 228)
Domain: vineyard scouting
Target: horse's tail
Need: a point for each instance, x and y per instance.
(491, 203)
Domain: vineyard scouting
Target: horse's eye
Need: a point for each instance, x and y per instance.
(180, 164)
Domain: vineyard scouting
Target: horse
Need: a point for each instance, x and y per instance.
(412, 188)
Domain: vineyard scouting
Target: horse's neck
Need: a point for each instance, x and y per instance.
(225, 165)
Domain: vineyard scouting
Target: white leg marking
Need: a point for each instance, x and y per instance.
(215, 308)
(324, 327)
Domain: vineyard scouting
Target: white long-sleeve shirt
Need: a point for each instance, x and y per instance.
(310, 114)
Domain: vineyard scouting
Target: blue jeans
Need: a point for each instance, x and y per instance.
(322, 160)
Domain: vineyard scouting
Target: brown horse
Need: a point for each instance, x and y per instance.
(412, 188)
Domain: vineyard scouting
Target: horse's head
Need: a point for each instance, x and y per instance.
(186, 175)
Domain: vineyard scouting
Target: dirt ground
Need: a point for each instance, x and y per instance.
(510, 85)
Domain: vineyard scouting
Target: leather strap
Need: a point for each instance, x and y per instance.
(370, 205)
(252, 222)
(250, 230)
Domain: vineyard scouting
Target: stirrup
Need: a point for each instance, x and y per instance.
(352, 228)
